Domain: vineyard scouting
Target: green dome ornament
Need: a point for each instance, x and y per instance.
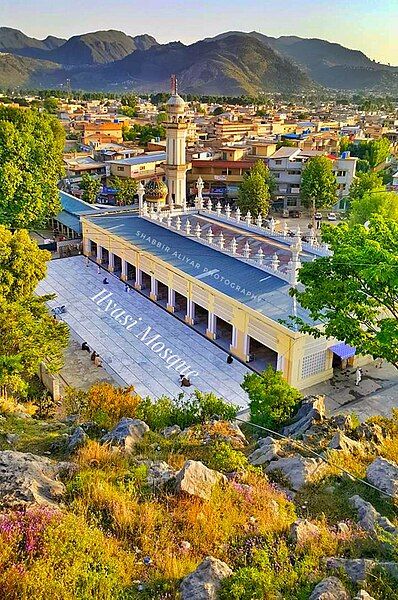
(156, 191)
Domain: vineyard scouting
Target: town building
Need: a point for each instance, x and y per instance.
(286, 165)
(141, 167)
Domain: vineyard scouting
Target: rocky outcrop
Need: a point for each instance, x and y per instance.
(29, 479)
(358, 569)
(126, 434)
(76, 440)
(311, 412)
(369, 518)
(196, 479)
(303, 530)
(363, 595)
(342, 422)
(268, 449)
(330, 588)
(370, 432)
(159, 472)
(171, 431)
(383, 474)
(204, 583)
(297, 469)
(342, 442)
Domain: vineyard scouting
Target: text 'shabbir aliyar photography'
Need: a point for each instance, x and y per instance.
(199, 300)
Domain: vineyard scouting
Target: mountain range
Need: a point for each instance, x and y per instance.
(231, 63)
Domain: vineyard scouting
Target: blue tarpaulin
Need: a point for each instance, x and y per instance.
(343, 350)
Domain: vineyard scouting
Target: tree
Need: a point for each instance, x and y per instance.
(90, 187)
(363, 183)
(29, 335)
(374, 152)
(378, 202)
(22, 264)
(254, 192)
(31, 146)
(126, 189)
(318, 186)
(272, 400)
(161, 118)
(352, 295)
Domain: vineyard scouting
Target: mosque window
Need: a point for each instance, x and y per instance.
(313, 364)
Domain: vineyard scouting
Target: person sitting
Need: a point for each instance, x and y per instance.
(105, 281)
(184, 381)
(85, 346)
(98, 361)
(93, 355)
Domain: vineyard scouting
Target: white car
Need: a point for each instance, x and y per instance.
(332, 216)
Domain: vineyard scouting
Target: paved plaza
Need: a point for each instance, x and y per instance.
(139, 342)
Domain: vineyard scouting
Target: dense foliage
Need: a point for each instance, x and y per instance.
(31, 145)
(28, 334)
(255, 191)
(353, 293)
(318, 188)
(272, 400)
(91, 188)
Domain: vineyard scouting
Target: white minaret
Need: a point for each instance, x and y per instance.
(176, 133)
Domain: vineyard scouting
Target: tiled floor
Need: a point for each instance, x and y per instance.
(128, 356)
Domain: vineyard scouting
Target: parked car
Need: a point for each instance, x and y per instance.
(318, 216)
(332, 216)
(295, 214)
(285, 213)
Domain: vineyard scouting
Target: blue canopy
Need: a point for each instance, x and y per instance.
(343, 350)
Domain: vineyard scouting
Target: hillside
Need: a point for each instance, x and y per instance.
(240, 65)
(111, 497)
(14, 41)
(230, 63)
(99, 47)
(21, 71)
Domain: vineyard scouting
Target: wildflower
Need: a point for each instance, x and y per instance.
(185, 546)
(147, 560)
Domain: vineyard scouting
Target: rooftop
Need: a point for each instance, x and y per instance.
(260, 291)
(142, 159)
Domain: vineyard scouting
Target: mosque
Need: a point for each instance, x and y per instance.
(224, 274)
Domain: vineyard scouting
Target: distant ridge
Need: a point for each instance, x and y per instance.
(231, 63)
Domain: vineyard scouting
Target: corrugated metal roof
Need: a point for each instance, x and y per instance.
(251, 286)
(140, 160)
(69, 221)
(75, 206)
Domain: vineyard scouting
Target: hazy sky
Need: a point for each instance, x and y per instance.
(367, 25)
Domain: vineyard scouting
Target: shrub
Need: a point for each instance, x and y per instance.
(225, 458)
(272, 400)
(184, 410)
(103, 403)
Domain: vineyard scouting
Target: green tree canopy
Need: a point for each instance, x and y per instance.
(255, 191)
(374, 152)
(31, 146)
(19, 276)
(143, 133)
(318, 186)
(272, 400)
(91, 188)
(353, 293)
(363, 183)
(126, 189)
(29, 335)
(378, 202)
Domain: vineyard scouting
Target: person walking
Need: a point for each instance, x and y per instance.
(87, 261)
(126, 288)
(99, 270)
(230, 360)
(358, 376)
(105, 281)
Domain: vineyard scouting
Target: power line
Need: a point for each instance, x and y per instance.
(304, 446)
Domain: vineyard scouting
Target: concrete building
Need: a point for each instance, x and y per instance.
(287, 164)
(141, 167)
